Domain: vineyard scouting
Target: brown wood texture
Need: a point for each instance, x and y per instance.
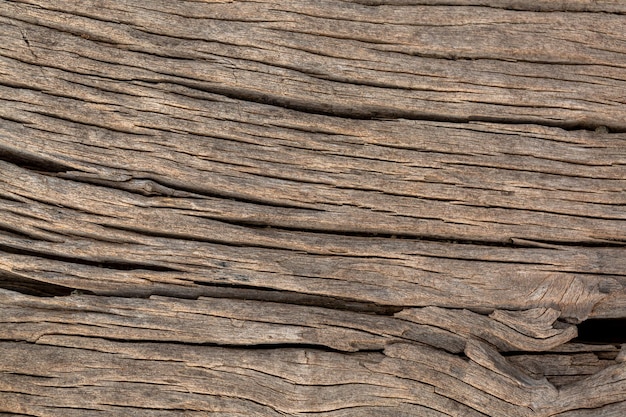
(313, 208)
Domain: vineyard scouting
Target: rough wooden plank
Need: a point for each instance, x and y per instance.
(338, 208)
(183, 218)
(270, 382)
(262, 382)
(247, 322)
(414, 193)
(449, 203)
(488, 383)
(364, 67)
(414, 274)
(231, 322)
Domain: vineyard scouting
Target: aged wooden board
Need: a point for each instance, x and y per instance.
(404, 380)
(335, 208)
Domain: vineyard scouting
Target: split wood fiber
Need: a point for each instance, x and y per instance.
(299, 208)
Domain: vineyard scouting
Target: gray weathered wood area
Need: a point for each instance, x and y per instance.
(313, 208)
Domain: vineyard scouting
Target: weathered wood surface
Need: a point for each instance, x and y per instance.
(337, 208)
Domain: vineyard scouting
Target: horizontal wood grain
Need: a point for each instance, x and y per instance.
(563, 369)
(248, 323)
(312, 208)
(341, 58)
(108, 376)
(398, 272)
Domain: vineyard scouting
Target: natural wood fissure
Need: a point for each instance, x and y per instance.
(312, 208)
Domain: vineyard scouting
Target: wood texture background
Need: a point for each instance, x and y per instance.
(312, 208)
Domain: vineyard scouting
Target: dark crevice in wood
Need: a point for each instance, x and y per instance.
(260, 225)
(603, 244)
(598, 274)
(602, 331)
(122, 266)
(23, 285)
(10, 198)
(519, 6)
(367, 113)
(511, 243)
(9, 118)
(249, 292)
(259, 346)
(13, 232)
(82, 409)
(137, 186)
(347, 233)
(30, 375)
(257, 293)
(185, 236)
(608, 356)
(31, 161)
(304, 346)
(605, 356)
(225, 195)
(225, 242)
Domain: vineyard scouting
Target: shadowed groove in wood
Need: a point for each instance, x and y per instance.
(603, 331)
